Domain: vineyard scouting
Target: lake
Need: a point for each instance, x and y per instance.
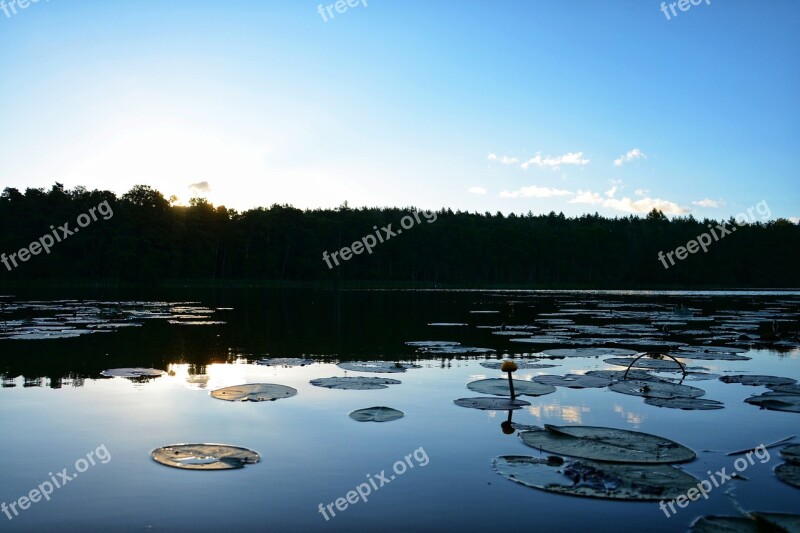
(56, 407)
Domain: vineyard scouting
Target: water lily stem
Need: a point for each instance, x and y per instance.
(511, 386)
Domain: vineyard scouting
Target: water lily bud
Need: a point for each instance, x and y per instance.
(509, 366)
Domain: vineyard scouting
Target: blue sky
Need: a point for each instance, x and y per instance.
(576, 107)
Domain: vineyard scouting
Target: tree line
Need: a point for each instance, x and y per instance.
(151, 241)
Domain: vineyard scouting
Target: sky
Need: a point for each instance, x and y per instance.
(582, 106)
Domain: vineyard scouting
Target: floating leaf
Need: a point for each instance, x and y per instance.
(499, 387)
(757, 381)
(690, 376)
(596, 480)
(204, 456)
(644, 362)
(521, 364)
(710, 356)
(574, 381)
(132, 373)
(586, 352)
(712, 349)
(354, 383)
(794, 388)
(380, 367)
(755, 523)
(543, 339)
(776, 401)
(789, 473)
(254, 392)
(376, 414)
(491, 404)
(431, 344)
(687, 404)
(607, 444)
(619, 375)
(285, 361)
(656, 389)
(791, 453)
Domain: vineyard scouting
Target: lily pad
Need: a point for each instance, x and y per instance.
(431, 344)
(776, 401)
(499, 387)
(687, 404)
(574, 381)
(204, 456)
(596, 480)
(644, 362)
(789, 473)
(587, 352)
(132, 373)
(607, 444)
(791, 453)
(380, 367)
(521, 364)
(755, 523)
(711, 356)
(354, 383)
(656, 389)
(254, 392)
(757, 381)
(794, 388)
(285, 361)
(376, 414)
(491, 404)
(712, 349)
(619, 375)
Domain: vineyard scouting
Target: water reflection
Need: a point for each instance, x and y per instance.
(568, 413)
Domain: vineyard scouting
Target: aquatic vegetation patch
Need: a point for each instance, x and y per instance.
(376, 414)
(380, 367)
(354, 383)
(574, 381)
(204, 456)
(491, 404)
(132, 373)
(254, 392)
(499, 387)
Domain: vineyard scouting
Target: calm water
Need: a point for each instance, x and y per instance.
(55, 409)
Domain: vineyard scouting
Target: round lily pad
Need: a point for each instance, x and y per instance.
(687, 404)
(794, 388)
(791, 453)
(499, 387)
(789, 473)
(619, 375)
(254, 392)
(711, 356)
(376, 414)
(491, 404)
(587, 352)
(607, 444)
(521, 364)
(285, 361)
(204, 456)
(574, 381)
(354, 383)
(591, 479)
(653, 364)
(656, 389)
(379, 367)
(132, 373)
(757, 381)
(776, 401)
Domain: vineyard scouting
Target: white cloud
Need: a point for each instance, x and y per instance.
(535, 192)
(611, 192)
(571, 158)
(630, 156)
(641, 192)
(707, 203)
(587, 197)
(477, 190)
(202, 187)
(796, 220)
(628, 205)
(505, 160)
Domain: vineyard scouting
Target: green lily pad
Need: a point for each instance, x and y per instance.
(254, 392)
(378, 367)
(789, 473)
(776, 401)
(757, 381)
(499, 387)
(627, 482)
(491, 404)
(354, 383)
(132, 373)
(619, 375)
(656, 389)
(204, 456)
(687, 404)
(587, 352)
(521, 364)
(607, 444)
(574, 381)
(376, 414)
(791, 453)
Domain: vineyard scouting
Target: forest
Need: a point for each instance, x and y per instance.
(150, 241)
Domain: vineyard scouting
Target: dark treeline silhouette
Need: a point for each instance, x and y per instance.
(150, 241)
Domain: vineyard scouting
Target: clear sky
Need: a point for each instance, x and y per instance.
(574, 106)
